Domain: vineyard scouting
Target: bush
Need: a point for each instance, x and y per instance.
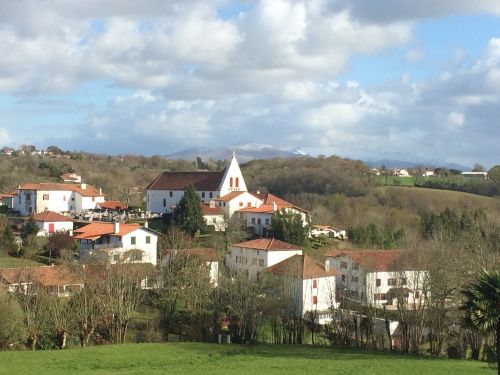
(12, 328)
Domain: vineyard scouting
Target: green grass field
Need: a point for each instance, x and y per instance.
(11, 262)
(196, 358)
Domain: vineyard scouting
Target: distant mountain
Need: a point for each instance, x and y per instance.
(244, 152)
(394, 163)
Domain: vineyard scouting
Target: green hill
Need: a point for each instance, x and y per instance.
(196, 358)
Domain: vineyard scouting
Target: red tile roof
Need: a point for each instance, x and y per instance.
(45, 275)
(301, 266)
(7, 195)
(230, 196)
(207, 210)
(89, 191)
(206, 253)
(268, 244)
(202, 181)
(373, 260)
(95, 230)
(263, 209)
(112, 205)
(49, 216)
(268, 200)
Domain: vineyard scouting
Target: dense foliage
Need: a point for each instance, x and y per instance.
(187, 214)
(288, 226)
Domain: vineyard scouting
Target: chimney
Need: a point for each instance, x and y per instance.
(116, 227)
(327, 265)
(100, 191)
(83, 186)
(258, 192)
(275, 206)
(211, 204)
(146, 224)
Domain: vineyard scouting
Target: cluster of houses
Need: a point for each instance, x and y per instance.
(373, 277)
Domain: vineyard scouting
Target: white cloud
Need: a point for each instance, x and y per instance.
(456, 120)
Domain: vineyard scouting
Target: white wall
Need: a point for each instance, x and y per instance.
(232, 172)
(215, 220)
(59, 226)
(242, 201)
(23, 205)
(325, 292)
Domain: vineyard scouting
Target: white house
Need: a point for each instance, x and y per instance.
(35, 198)
(213, 216)
(311, 284)
(480, 175)
(327, 230)
(163, 194)
(72, 178)
(259, 217)
(377, 277)
(401, 173)
(428, 173)
(117, 243)
(8, 200)
(50, 222)
(256, 255)
(207, 254)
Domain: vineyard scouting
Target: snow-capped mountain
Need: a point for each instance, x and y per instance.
(244, 151)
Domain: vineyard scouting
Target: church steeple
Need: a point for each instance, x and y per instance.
(233, 179)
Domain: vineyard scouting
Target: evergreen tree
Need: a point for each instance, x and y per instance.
(288, 226)
(29, 229)
(188, 215)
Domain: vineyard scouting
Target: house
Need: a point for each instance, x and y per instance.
(259, 218)
(50, 222)
(401, 173)
(478, 175)
(8, 200)
(208, 255)
(56, 197)
(163, 194)
(376, 277)
(71, 178)
(256, 255)
(55, 280)
(213, 216)
(428, 173)
(111, 206)
(327, 230)
(311, 283)
(7, 151)
(117, 243)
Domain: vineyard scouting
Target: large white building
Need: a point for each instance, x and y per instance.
(117, 243)
(225, 190)
(377, 277)
(40, 197)
(310, 285)
(256, 255)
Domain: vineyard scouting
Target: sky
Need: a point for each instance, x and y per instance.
(355, 78)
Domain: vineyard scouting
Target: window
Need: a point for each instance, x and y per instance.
(64, 198)
(51, 228)
(314, 300)
(28, 197)
(380, 297)
(253, 220)
(148, 239)
(403, 281)
(343, 265)
(203, 194)
(378, 282)
(315, 283)
(132, 240)
(355, 266)
(354, 293)
(267, 221)
(241, 204)
(343, 278)
(214, 220)
(224, 204)
(249, 204)
(46, 197)
(19, 199)
(136, 256)
(261, 262)
(258, 221)
(164, 202)
(392, 282)
(254, 261)
(93, 199)
(237, 182)
(171, 194)
(417, 294)
(354, 279)
(230, 182)
(211, 195)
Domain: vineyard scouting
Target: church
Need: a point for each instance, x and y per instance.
(223, 194)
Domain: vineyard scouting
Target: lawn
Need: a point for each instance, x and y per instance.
(195, 358)
(11, 262)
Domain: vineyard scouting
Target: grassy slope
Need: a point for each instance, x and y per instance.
(10, 262)
(193, 358)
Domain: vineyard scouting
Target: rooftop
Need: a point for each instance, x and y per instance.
(95, 230)
(267, 244)
(87, 191)
(202, 181)
(373, 260)
(49, 216)
(301, 266)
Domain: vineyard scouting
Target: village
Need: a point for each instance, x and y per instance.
(324, 290)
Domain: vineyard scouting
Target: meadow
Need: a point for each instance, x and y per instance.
(195, 358)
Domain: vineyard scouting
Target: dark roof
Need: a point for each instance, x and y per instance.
(301, 266)
(202, 181)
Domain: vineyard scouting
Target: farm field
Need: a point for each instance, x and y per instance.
(11, 262)
(196, 358)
